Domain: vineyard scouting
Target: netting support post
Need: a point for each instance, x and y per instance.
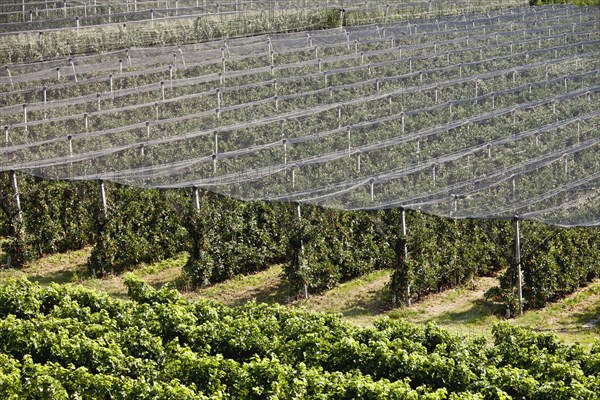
(10, 75)
(196, 198)
(349, 141)
(301, 255)
(216, 142)
(405, 254)
(25, 116)
(517, 251)
(293, 177)
(13, 179)
(103, 196)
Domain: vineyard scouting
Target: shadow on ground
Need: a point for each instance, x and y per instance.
(72, 275)
(370, 304)
(590, 318)
(479, 311)
(270, 294)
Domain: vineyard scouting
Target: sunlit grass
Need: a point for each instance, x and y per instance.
(361, 301)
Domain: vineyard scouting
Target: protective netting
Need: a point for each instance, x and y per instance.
(40, 16)
(481, 116)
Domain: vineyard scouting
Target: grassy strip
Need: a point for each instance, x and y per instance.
(361, 301)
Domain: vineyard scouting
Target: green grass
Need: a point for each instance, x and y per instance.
(359, 301)
(362, 301)
(264, 287)
(61, 268)
(575, 318)
(71, 268)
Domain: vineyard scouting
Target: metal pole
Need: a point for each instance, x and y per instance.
(408, 301)
(517, 243)
(25, 115)
(301, 256)
(216, 142)
(103, 195)
(17, 197)
(196, 199)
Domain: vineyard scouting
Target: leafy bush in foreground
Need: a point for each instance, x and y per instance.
(66, 342)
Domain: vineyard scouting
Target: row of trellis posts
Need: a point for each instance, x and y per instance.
(196, 199)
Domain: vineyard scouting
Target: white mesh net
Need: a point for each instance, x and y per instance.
(482, 116)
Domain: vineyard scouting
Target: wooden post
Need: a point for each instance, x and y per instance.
(517, 250)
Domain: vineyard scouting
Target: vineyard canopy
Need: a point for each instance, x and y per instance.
(485, 115)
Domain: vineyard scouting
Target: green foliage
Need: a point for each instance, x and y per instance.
(141, 226)
(332, 19)
(70, 342)
(327, 247)
(231, 237)
(140, 292)
(227, 237)
(57, 216)
(60, 40)
(442, 253)
(554, 262)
